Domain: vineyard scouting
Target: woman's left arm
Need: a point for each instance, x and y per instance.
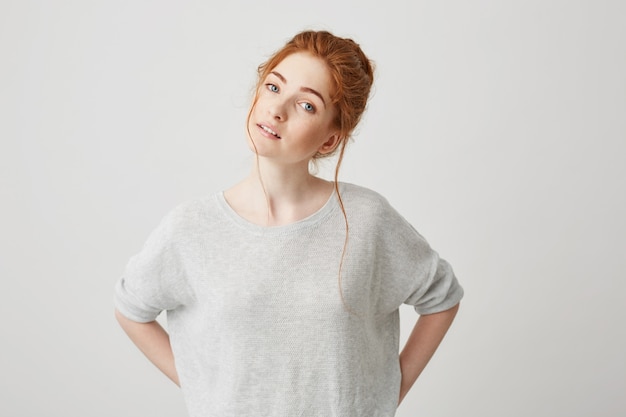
(422, 344)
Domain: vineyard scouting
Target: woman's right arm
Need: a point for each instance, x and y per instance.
(153, 341)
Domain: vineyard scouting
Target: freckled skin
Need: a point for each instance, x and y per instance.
(287, 106)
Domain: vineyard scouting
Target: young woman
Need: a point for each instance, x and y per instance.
(282, 292)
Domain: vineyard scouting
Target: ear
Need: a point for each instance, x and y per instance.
(330, 145)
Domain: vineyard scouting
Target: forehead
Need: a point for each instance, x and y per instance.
(302, 69)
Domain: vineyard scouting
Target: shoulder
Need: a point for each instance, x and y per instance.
(363, 197)
(187, 215)
(191, 207)
(372, 209)
(365, 201)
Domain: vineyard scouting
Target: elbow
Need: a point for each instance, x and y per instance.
(454, 310)
(121, 319)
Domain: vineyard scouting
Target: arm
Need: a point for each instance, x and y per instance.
(421, 345)
(153, 341)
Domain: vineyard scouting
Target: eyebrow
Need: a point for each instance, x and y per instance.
(304, 89)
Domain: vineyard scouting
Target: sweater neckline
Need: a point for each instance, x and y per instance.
(328, 207)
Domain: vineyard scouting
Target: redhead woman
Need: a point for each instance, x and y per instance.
(282, 292)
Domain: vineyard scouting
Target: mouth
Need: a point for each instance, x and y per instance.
(268, 130)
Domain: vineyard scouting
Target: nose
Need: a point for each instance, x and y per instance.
(277, 110)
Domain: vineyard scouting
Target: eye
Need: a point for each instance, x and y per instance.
(308, 107)
(272, 87)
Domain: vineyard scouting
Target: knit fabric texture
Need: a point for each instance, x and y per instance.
(257, 321)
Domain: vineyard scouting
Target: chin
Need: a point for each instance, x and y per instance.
(259, 148)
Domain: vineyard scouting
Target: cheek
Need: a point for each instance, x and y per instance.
(311, 131)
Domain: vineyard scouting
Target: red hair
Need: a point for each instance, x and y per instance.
(351, 72)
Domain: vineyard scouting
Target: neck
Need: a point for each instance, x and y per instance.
(283, 183)
(279, 194)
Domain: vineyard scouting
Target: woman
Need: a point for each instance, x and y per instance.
(282, 292)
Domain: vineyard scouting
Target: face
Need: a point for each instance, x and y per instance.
(293, 116)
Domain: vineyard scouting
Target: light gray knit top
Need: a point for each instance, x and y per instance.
(255, 316)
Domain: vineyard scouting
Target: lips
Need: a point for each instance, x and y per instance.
(267, 129)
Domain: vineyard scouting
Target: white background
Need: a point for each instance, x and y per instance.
(498, 128)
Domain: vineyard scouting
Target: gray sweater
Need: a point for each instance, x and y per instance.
(256, 320)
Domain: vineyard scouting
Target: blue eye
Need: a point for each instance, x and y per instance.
(308, 107)
(272, 87)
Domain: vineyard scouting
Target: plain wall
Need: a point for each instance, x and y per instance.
(497, 128)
